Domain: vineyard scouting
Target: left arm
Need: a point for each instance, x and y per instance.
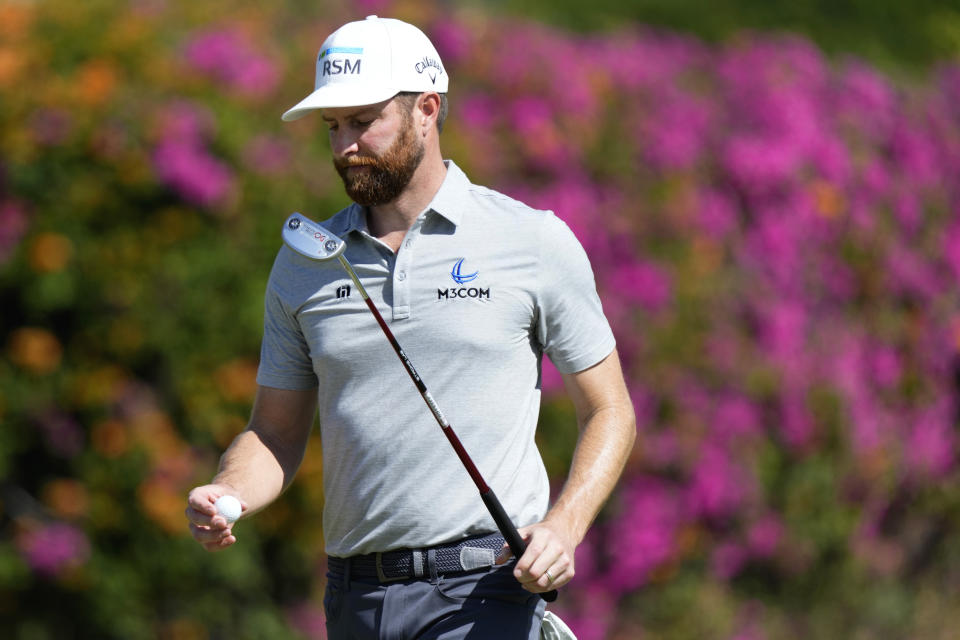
(607, 426)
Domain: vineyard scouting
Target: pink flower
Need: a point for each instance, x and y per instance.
(61, 432)
(718, 486)
(727, 560)
(477, 111)
(675, 135)
(911, 274)
(51, 126)
(592, 618)
(53, 548)
(866, 99)
(951, 248)
(184, 121)
(644, 536)
(190, 170)
(309, 620)
(886, 367)
(644, 283)
(784, 334)
(267, 155)
(764, 536)
(796, 422)
(228, 56)
(915, 156)
(735, 417)
(550, 379)
(453, 40)
(716, 213)
(760, 164)
(13, 225)
(931, 447)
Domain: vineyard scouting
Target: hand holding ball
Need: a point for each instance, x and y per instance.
(229, 507)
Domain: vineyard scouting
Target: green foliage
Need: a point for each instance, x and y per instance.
(141, 194)
(898, 36)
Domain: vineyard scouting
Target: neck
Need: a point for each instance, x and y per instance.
(389, 222)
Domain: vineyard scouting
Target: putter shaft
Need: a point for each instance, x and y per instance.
(499, 514)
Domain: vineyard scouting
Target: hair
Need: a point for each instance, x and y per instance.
(408, 98)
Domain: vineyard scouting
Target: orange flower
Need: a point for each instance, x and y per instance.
(50, 252)
(182, 629)
(828, 200)
(95, 82)
(98, 386)
(237, 380)
(163, 504)
(66, 497)
(36, 350)
(15, 19)
(224, 430)
(312, 465)
(110, 438)
(10, 64)
(155, 432)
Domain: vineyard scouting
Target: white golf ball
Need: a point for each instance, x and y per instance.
(229, 507)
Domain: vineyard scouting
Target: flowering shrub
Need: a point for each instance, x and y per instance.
(775, 237)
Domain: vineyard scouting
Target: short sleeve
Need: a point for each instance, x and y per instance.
(285, 361)
(571, 326)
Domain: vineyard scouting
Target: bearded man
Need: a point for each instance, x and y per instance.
(477, 287)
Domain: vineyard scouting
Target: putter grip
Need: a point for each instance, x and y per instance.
(510, 533)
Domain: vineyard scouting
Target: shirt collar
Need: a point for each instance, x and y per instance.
(449, 199)
(447, 202)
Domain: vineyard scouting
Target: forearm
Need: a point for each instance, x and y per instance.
(607, 436)
(258, 468)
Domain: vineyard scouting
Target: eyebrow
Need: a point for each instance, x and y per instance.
(357, 114)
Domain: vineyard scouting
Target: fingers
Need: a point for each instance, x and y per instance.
(207, 527)
(547, 563)
(212, 539)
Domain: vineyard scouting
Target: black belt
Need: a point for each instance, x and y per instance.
(469, 554)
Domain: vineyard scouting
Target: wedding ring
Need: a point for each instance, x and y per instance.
(549, 577)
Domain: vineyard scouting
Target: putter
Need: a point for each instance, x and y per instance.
(313, 241)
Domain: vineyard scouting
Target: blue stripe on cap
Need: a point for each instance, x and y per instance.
(353, 50)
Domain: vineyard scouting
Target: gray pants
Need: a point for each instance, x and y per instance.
(481, 605)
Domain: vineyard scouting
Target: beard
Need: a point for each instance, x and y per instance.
(388, 174)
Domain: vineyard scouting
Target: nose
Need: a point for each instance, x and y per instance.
(344, 142)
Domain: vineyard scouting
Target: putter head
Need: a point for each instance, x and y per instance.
(307, 238)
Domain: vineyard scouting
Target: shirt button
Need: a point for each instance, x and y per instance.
(402, 275)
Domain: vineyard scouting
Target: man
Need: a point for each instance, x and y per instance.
(476, 287)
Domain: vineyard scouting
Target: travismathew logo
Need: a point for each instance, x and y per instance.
(462, 278)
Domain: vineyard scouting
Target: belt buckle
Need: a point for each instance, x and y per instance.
(380, 575)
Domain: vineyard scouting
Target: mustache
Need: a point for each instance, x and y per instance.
(354, 161)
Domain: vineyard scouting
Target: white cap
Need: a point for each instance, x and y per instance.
(369, 61)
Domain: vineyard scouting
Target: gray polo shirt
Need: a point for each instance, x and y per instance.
(481, 287)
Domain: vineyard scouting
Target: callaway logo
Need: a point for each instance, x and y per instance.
(461, 278)
(431, 66)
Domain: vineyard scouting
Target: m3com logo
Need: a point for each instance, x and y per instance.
(462, 278)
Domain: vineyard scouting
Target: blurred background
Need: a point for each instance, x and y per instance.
(768, 192)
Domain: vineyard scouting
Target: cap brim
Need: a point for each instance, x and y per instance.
(338, 95)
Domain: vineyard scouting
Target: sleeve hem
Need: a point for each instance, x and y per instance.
(301, 383)
(588, 359)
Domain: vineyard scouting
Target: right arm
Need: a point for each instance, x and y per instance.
(258, 465)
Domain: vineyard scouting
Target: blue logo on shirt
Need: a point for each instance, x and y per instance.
(459, 277)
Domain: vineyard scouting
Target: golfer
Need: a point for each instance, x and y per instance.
(477, 287)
